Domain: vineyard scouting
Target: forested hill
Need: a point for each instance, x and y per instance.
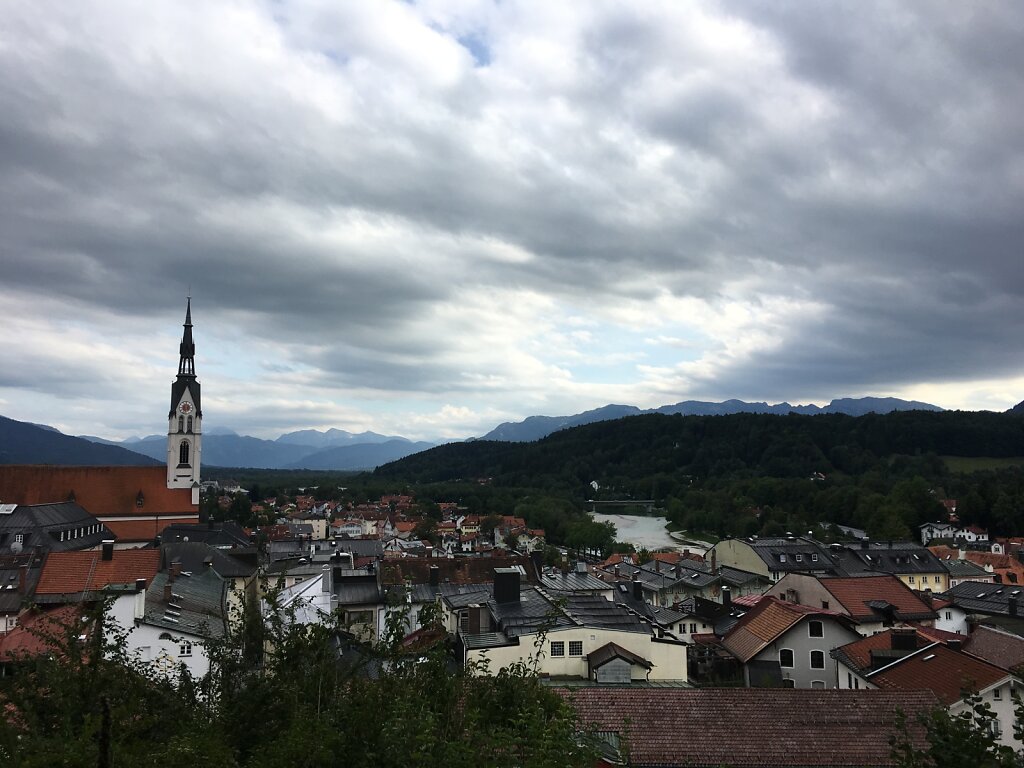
(702, 446)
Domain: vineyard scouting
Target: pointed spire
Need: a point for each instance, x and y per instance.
(187, 363)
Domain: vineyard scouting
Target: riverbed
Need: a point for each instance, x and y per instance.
(649, 532)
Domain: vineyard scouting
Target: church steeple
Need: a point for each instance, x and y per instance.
(185, 418)
(187, 362)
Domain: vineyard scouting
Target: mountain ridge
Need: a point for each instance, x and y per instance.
(537, 427)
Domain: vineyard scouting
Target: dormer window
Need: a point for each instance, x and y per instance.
(782, 558)
(799, 558)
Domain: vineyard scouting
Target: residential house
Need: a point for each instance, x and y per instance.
(773, 558)
(582, 636)
(873, 602)
(936, 530)
(712, 727)
(912, 563)
(997, 605)
(964, 570)
(84, 576)
(173, 620)
(787, 645)
(945, 670)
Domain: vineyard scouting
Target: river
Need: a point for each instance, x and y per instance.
(650, 532)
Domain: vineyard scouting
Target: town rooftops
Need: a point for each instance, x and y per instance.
(883, 648)
(988, 599)
(55, 527)
(775, 728)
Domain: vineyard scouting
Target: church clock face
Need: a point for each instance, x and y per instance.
(185, 408)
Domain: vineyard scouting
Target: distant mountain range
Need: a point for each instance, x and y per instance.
(21, 442)
(306, 449)
(537, 427)
(24, 443)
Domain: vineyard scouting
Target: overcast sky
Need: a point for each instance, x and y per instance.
(428, 218)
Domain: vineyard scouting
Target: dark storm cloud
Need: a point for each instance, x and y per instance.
(335, 178)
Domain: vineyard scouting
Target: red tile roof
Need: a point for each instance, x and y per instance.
(35, 628)
(997, 647)
(70, 573)
(101, 491)
(941, 670)
(769, 619)
(751, 727)
(854, 594)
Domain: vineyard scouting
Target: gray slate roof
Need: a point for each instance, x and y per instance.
(197, 604)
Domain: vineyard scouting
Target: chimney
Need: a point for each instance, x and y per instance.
(616, 570)
(168, 594)
(657, 566)
(475, 619)
(435, 576)
(1011, 604)
(108, 549)
(325, 580)
(904, 640)
(140, 584)
(506, 585)
(714, 561)
(175, 569)
(955, 645)
(726, 596)
(638, 588)
(22, 578)
(863, 543)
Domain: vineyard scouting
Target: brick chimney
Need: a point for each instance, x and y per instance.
(108, 549)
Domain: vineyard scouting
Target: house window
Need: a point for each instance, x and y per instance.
(575, 647)
(849, 680)
(817, 659)
(995, 727)
(557, 648)
(786, 658)
(185, 648)
(949, 615)
(464, 621)
(815, 629)
(789, 683)
(997, 694)
(693, 628)
(824, 604)
(19, 538)
(817, 683)
(910, 579)
(856, 683)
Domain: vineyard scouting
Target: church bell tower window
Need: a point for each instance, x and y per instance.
(183, 453)
(181, 423)
(189, 430)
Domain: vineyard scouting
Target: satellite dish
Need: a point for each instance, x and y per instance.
(16, 547)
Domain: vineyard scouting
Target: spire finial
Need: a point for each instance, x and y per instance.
(186, 364)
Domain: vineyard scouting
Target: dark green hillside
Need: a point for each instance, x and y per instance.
(760, 444)
(748, 474)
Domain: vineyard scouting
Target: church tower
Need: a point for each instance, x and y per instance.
(185, 419)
